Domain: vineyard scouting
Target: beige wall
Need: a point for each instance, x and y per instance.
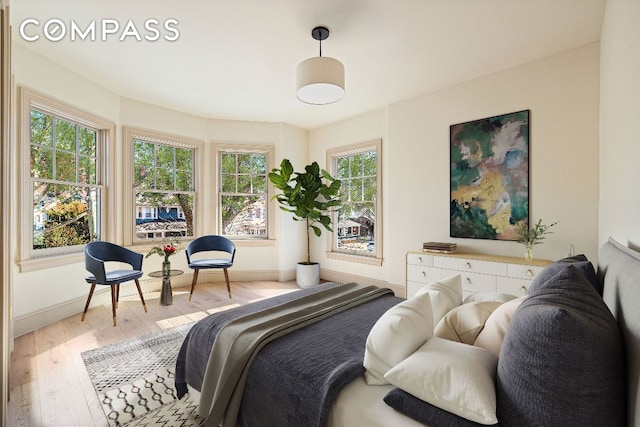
(562, 94)
(47, 295)
(619, 115)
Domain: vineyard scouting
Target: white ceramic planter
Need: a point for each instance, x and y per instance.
(308, 275)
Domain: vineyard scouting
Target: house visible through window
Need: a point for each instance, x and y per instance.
(65, 181)
(357, 222)
(243, 192)
(164, 188)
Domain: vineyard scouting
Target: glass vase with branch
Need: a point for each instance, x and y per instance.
(535, 235)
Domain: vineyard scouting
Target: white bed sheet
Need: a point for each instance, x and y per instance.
(361, 405)
(358, 405)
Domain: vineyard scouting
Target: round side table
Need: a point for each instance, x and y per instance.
(166, 297)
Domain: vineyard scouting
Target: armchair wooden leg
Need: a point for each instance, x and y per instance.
(193, 283)
(117, 294)
(113, 303)
(86, 306)
(226, 278)
(141, 297)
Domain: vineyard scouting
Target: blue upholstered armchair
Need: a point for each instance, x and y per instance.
(95, 256)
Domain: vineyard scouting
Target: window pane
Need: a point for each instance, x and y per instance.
(164, 179)
(64, 215)
(260, 184)
(356, 228)
(164, 156)
(65, 166)
(41, 162)
(87, 171)
(343, 168)
(184, 159)
(369, 189)
(243, 180)
(244, 216)
(184, 181)
(244, 163)
(143, 153)
(259, 163)
(66, 212)
(244, 184)
(161, 215)
(370, 163)
(228, 163)
(228, 183)
(165, 168)
(355, 190)
(357, 215)
(87, 141)
(144, 177)
(41, 129)
(355, 167)
(65, 136)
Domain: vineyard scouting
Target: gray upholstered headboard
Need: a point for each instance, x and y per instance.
(619, 268)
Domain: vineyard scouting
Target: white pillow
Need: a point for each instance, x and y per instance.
(464, 323)
(456, 377)
(488, 296)
(492, 335)
(397, 334)
(446, 294)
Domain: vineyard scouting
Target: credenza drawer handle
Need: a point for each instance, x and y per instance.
(468, 265)
(529, 272)
(420, 259)
(424, 273)
(523, 289)
(468, 280)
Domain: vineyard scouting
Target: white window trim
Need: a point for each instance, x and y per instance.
(28, 99)
(333, 252)
(269, 150)
(128, 200)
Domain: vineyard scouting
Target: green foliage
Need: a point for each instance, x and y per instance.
(310, 196)
(534, 235)
(67, 225)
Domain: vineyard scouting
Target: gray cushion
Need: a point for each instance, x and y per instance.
(579, 261)
(562, 362)
(424, 412)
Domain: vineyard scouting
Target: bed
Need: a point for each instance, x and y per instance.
(351, 355)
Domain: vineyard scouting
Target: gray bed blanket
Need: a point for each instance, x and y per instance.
(295, 379)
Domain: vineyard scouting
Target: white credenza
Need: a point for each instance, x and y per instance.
(479, 272)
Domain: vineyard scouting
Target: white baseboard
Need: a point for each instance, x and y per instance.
(32, 321)
(37, 319)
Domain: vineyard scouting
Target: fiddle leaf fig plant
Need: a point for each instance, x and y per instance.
(310, 196)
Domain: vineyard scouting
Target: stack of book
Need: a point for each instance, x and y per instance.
(439, 247)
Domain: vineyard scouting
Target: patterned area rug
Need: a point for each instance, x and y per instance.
(134, 380)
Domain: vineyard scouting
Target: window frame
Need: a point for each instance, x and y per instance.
(333, 251)
(269, 150)
(130, 134)
(31, 259)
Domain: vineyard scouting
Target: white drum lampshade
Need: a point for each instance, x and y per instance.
(320, 80)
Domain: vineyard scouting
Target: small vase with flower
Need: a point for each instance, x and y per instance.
(165, 250)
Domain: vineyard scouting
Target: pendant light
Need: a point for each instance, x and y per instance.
(320, 80)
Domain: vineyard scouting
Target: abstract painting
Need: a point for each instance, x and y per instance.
(490, 176)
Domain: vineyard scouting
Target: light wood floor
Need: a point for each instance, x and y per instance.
(49, 383)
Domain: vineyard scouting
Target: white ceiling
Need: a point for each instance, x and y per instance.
(236, 59)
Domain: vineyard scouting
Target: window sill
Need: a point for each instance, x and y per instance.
(359, 259)
(45, 262)
(248, 243)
